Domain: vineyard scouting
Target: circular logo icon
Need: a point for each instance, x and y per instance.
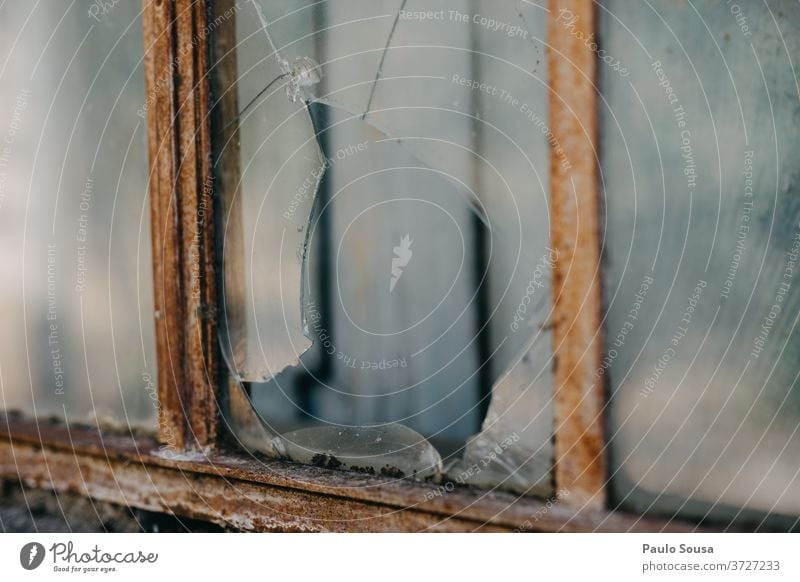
(31, 555)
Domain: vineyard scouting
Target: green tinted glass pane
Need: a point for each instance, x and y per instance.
(77, 339)
(700, 155)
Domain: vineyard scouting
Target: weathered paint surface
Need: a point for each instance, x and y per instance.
(256, 495)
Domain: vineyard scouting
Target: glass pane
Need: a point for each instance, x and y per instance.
(78, 338)
(386, 247)
(700, 155)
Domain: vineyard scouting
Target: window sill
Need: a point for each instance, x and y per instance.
(252, 494)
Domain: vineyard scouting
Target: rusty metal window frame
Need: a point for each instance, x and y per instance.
(226, 487)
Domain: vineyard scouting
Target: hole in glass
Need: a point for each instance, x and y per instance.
(385, 238)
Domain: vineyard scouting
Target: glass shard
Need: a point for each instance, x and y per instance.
(392, 450)
(273, 224)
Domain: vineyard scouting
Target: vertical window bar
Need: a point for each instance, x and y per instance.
(176, 37)
(580, 465)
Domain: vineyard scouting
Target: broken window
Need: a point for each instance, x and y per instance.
(702, 251)
(78, 339)
(385, 235)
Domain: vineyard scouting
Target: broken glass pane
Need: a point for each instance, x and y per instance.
(386, 248)
(701, 180)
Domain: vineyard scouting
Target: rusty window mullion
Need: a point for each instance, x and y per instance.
(580, 465)
(176, 36)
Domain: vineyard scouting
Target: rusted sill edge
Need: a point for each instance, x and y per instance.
(461, 506)
(229, 502)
